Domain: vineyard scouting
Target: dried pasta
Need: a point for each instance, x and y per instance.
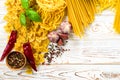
(104, 4)
(117, 18)
(36, 32)
(81, 13)
(52, 11)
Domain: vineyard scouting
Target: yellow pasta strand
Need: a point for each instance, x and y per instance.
(52, 12)
(117, 18)
(81, 13)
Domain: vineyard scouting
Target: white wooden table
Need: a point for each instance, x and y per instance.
(95, 57)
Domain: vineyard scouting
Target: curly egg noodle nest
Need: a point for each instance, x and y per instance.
(51, 5)
(52, 13)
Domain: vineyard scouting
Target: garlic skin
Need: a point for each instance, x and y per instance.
(65, 27)
(59, 31)
(53, 36)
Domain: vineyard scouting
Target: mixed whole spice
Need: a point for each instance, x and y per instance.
(16, 60)
(54, 51)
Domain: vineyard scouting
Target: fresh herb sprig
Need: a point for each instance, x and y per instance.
(25, 4)
(30, 13)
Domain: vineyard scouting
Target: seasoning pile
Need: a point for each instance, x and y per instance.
(54, 51)
(15, 60)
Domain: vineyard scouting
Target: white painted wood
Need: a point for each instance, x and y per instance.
(94, 57)
(65, 72)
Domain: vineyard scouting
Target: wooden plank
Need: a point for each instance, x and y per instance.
(95, 57)
(65, 72)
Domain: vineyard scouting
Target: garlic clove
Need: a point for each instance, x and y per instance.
(53, 36)
(65, 27)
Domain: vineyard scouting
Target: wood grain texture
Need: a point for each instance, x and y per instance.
(65, 72)
(94, 57)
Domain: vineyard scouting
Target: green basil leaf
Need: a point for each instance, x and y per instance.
(23, 19)
(25, 4)
(33, 15)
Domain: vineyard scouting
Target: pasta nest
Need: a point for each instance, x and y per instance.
(51, 5)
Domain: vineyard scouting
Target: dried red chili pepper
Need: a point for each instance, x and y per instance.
(10, 44)
(29, 55)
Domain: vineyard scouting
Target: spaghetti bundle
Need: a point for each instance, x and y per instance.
(81, 13)
(104, 4)
(117, 18)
